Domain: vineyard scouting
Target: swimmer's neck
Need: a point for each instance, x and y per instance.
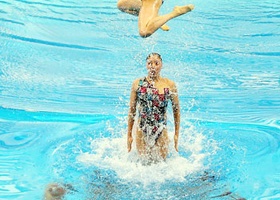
(153, 78)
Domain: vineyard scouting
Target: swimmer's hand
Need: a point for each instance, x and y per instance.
(176, 142)
(129, 143)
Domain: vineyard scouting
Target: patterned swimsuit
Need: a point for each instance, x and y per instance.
(152, 108)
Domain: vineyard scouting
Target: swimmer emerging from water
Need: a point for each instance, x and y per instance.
(54, 191)
(150, 96)
(57, 191)
(147, 11)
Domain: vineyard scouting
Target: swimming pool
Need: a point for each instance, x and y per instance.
(65, 78)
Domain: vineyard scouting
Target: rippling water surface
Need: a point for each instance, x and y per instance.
(66, 69)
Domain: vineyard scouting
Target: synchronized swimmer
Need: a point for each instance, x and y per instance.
(150, 95)
(147, 11)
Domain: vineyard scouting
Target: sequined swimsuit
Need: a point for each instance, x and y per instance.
(152, 108)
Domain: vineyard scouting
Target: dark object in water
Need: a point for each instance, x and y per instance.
(206, 177)
(230, 195)
(222, 195)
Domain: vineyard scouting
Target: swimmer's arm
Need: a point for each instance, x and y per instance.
(131, 115)
(176, 114)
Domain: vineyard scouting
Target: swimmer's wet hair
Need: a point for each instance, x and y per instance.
(154, 54)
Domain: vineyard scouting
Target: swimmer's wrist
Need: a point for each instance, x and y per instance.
(129, 133)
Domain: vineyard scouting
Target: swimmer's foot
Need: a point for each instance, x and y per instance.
(180, 10)
(164, 27)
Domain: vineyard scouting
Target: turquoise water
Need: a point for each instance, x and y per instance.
(66, 69)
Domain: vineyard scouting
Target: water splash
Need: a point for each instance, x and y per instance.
(111, 153)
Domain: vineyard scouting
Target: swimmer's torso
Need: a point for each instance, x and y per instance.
(152, 104)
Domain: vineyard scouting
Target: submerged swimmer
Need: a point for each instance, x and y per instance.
(147, 11)
(56, 191)
(150, 96)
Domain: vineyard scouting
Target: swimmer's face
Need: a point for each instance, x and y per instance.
(56, 190)
(154, 65)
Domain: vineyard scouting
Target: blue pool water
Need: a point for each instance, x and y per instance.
(66, 69)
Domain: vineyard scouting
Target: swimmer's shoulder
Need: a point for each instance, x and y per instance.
(135, 83)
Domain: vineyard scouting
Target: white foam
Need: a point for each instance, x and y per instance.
(111, 153)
